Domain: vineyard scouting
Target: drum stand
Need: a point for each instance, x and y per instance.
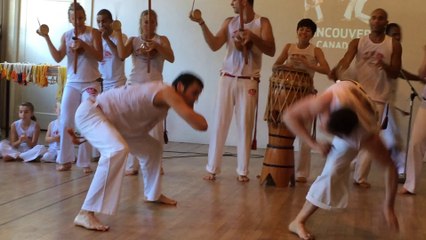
(413, 95)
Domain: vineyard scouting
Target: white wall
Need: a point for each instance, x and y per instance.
(193, 54)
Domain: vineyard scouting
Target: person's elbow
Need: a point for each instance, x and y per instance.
(203, 126)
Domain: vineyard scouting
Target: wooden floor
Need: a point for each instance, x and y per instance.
(37, 202)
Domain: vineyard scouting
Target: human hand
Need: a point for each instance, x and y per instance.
(77, 46)
(323, 148)
(196, 16)
(43, 30)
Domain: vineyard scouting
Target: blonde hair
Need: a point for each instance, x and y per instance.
(145, 13)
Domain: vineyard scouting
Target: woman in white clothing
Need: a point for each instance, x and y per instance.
(149, 52)
(83, 81)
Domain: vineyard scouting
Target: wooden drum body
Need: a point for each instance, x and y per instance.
(286, 86)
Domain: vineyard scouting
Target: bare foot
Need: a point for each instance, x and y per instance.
(64, 167)
(242, 178)
(131, 172)
(300, 230)
(210, 177)
(301, 180)
(362, 184)
(89, 221)
(163, 200)
(404, 191)
(87, 170)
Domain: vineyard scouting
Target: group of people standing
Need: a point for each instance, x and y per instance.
(127, 118)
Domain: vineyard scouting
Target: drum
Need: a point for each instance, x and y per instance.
(286, 86)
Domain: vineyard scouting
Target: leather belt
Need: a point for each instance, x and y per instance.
(240, 77)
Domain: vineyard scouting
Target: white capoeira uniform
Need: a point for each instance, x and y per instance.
(302, 158)
(112, 67)
(23, 151)
(417, 148)
(117, 123)
(52, 151)
(138, 75)
(79, 87)
(238, 92)
(376, 83)
(330, 189)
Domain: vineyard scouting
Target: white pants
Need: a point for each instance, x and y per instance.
(104, 192)
(157, 133)
(74, 94)
(416, 150)
(302, 158)
(50, 156)
(29, 155)
(330, 189)
(391, 137)
(237, 96)
(363, 160)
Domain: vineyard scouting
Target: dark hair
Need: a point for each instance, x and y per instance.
(187, 79)
(251, 2)
(342, 122)
(31, 107)
(105, 12)
(307, 22)
(390, 26)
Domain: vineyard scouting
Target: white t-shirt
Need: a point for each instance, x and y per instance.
(130, 108)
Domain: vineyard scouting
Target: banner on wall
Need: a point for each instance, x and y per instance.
(338, 21)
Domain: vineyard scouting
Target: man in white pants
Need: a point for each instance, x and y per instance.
(417, 146)
(239, 81)
(347, 113)
(378, 63)
(117, 123)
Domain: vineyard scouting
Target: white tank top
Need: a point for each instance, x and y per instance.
(308, 52)
(374, 80)
(351, 95)
(112, 67)
(234, 60)
(29, 132)
(87, 66)
(54, 132)
(139, 72)
(130, 108)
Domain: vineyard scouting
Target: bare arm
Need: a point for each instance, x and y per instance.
(49, 138)
(15, 140)
(169, 97)
(322, 66)
(283, 56)
(265, 42)
(96, 50)
(393, 69)
(215, 42)
(112, 45)
(124, 49)
(306, 110)
(344, 63)
(378, 151)
(404, 74)
(165, 49)
(57, 54)
(36, 134)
